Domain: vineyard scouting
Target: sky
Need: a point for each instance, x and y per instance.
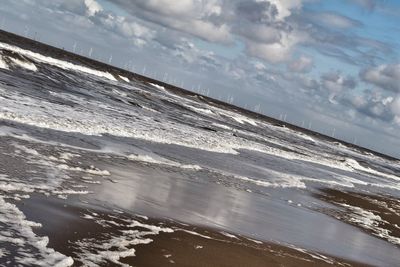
(330, 65)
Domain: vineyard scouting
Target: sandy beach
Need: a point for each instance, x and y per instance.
(157, 243)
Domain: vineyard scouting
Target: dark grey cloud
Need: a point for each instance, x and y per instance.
(386, 76)
(336, 84)
(329, 88)
(372, 104)
(257, 12)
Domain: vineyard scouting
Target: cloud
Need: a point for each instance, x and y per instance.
(385, 76)
(80, 7)
(303, 64)
(374, 104)
(257, 12)
(191, 54)
(309, 83)
(286, 7)
(262, 25)
(338, 41)
(93, 7)
(73, 6)
(123, 26)
(90, 11)
(395, 108)
(199, 18)
(260, 33)
(335, 83)
(270, 29)
(277, 52)
(335, 20)
(264, 28)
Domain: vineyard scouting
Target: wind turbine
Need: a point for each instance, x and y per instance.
(26, 31)
(333, 132)
(74, 47)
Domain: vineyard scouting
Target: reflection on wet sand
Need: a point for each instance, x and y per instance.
(98, 237)
(152, 191)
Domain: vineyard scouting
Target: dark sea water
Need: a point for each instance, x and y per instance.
(74, 136)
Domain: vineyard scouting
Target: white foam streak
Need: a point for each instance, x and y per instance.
(24, 64)
(201, 110)
(283, 181)
(313, 255)
(242, 119)
(162, 161)
(195, 233)
(91, 170)
(368, 220)
(21, 234)
(97, 252)
(124, 78)
(356, 166)
(158, 86)
(56, 62)
(3, 64)
(229, 235)
(70, 192)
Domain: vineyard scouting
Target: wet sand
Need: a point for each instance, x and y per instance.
(380, 213)
(67, 225)
(183, 249)
(80, 225)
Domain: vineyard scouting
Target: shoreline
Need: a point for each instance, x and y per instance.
(156, 242)
(89, 215)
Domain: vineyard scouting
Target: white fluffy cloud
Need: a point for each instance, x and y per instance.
(285, 7)
(192, 17)
(92, 7)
